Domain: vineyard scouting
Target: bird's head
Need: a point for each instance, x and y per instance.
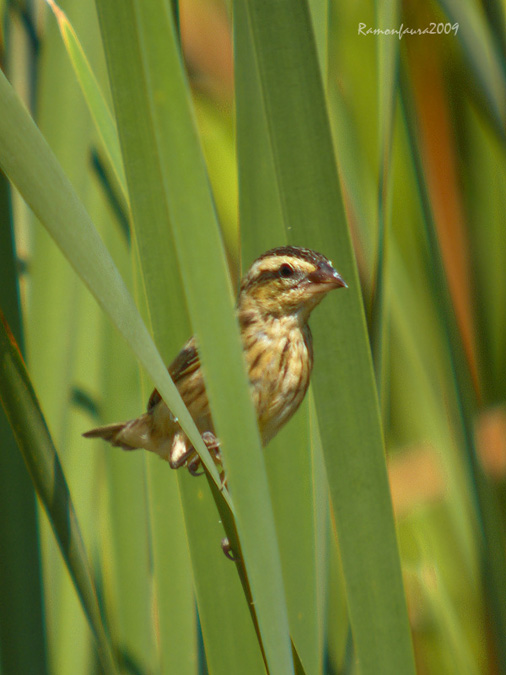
(288, 281)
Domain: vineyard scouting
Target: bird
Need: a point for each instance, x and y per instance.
(276, 297)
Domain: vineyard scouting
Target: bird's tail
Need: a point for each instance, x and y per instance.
(129, 435)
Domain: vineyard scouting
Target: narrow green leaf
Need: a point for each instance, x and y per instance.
(291, 478)
(34, 441)
(21, 609)
(486, 65)
(230, 640)
(387, 14)
(112, 192)
(174, 592)
(127, 557)
(486, 204)
(97, 104)
(261, 219)
(60, 321)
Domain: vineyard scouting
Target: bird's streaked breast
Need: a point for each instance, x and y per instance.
(279, 357)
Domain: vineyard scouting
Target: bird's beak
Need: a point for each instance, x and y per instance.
(327, 275)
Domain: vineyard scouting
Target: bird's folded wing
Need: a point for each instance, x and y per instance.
(185, 363)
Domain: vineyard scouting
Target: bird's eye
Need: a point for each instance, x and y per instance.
(286, 270)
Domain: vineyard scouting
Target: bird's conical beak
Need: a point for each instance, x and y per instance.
(339, 281)
(327, 275)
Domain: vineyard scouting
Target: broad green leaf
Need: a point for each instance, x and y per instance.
(171, 328)
(344, 384)
(288, 456)
(182, 191)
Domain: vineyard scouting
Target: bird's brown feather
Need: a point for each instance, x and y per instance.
(185, 363)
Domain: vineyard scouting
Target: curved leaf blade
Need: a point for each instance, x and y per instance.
(30, 164)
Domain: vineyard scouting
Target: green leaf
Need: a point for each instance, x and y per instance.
(28, 161)
(181, 191)
(222, 607)
(388, 55)
(288, 455)
(95, 100)
(21, 608)
(34, 441)
(344, 385)
(486, 64)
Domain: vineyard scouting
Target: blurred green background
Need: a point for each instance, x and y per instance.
(418, 127)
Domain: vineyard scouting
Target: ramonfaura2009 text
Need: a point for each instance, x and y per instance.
(431, 29)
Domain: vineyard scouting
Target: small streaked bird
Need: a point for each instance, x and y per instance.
(275, 299)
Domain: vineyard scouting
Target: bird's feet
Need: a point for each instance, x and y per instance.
(213, 446)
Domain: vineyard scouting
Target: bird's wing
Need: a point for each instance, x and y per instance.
(185, 363)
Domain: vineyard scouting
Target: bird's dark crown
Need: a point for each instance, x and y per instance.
(297, 252)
